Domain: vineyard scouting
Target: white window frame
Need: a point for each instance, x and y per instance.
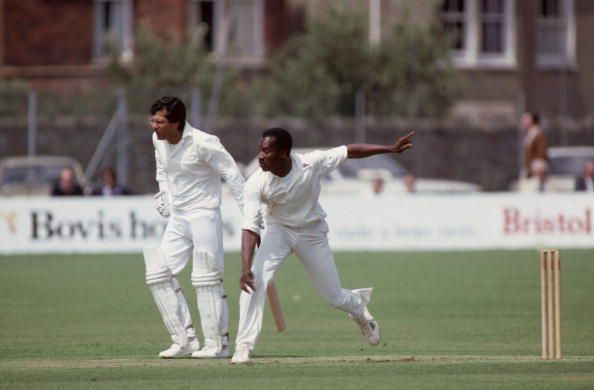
(126, 27)
(568, 58)
(471, 56)
(221, 20)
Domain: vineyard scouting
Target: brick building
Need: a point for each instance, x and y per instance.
(57, 43)
(513, 54)
(524, 54)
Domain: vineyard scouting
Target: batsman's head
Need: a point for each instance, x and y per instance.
(274, 148)
(168, 117)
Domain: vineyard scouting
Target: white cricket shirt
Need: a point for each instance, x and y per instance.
(291, 200)
(191, 171)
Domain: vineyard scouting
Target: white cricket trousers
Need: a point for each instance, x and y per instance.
(197, 230)
(201, 229)
(310, 245)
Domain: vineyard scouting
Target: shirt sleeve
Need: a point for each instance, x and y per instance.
(222, 162)
(251, 212)
(161, 172)
(328, 160)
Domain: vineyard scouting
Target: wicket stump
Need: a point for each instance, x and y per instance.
(550, 295)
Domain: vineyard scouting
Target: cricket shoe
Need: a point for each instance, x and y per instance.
(212, 352)
(242, 355)
(369, 327)
(194, 344)
(367, 324)
(176, 350)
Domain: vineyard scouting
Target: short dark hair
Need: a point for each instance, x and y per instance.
(534, 116)
(283, 139)
(175, 110)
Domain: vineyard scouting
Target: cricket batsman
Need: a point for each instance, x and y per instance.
(287, 186)
(190, 167)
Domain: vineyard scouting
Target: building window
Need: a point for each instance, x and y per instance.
(453, 19)
(481, 31)
(245, 29)
(233, 29)
(555, 38)
(113, 26)
(202, 16)
(492, 18)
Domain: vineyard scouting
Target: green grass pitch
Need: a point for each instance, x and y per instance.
(449, 320)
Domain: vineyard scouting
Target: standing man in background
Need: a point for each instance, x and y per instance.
(190, 167)
(535, 142)
(288, 187)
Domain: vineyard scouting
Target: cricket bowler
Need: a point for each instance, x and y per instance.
(287, 187)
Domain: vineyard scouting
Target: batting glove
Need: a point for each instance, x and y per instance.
(162, 203)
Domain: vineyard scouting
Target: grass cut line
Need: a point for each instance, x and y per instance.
(125, 363)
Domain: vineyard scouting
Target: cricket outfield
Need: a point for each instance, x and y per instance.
(448, 319)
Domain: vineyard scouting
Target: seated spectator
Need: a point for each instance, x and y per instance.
(377, 185)
(66, 185)
(409, 183)
(110, 186)
(586, 181)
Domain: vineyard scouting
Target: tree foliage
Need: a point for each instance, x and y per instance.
(320, 71)
(160, 62)
(166, 64)
(13, 98)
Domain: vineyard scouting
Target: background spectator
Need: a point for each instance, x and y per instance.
(110, 186)
(535, 142)
(409, 183)
(66, 185)
(378, 185)
(586, 181)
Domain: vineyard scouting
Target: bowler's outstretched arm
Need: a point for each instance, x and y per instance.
(366, 150)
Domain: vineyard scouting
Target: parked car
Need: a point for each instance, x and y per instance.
(569, 160)
(36, 175)
(564, 165)
(357, 176)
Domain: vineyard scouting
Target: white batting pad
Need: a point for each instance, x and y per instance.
(158, 278)
(154, 263)
(184, 310)
(167, 304)
(206, 269)
(212, 303)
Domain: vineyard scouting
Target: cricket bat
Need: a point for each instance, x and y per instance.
(275, 307)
